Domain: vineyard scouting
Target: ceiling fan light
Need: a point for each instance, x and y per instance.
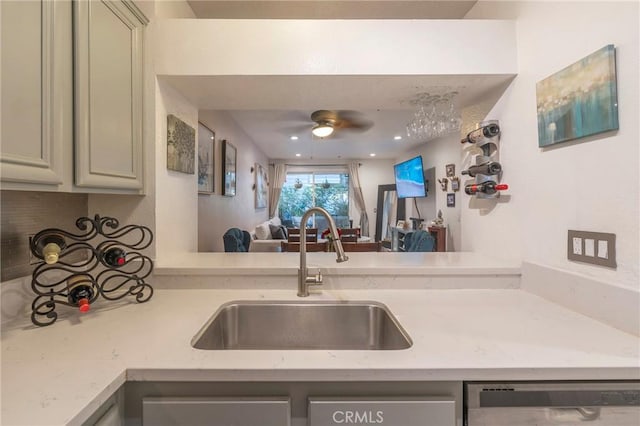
(322, 130)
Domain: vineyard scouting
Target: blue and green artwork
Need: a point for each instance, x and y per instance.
(580, 100)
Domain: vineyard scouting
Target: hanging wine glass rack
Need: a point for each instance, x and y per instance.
(50, 281)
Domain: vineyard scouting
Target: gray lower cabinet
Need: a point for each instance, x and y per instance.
(416, 411)
(250, 411)
(283, 403)
(276, 411)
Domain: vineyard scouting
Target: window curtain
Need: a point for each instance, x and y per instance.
(275, 189)
(354, 179)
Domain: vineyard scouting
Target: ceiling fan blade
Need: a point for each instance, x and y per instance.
(353, 120)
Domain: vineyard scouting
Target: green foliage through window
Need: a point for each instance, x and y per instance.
(301, 191)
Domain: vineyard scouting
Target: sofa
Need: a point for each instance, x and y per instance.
(267, 236)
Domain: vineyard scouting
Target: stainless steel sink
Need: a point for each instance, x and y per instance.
(302, 325)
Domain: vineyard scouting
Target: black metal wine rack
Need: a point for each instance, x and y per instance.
(49, 281)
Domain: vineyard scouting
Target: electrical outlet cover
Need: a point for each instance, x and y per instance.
(577, 246)
(597, 248)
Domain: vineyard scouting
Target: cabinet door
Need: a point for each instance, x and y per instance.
(216, 411)
(36, 90)
(409, 411)
(108, 43)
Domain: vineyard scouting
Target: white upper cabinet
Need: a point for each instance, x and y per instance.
(72, 81)
(108, 43)
(36, 91)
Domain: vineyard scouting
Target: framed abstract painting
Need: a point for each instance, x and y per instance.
(580, 100)
(261, 187)
(229, 157)
(206, 144)
(181, 144)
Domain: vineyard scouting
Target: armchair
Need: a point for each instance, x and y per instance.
(236, 240)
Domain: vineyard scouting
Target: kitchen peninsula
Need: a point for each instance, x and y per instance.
(63, 373)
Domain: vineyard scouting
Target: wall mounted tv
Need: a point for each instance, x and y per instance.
(410, 178)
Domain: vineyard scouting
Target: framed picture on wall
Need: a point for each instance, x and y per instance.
(206, 144)
(261, 186)
(181, 143)
(580, 100)
(229, 157)
(451, 170)
(451, 199)
(455, 183)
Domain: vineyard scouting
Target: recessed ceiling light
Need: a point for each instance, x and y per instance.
(298, 155)
(294, 138)
(397, 138)
(373, 154)
(212, 137)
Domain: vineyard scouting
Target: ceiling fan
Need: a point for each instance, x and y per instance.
(327, 122)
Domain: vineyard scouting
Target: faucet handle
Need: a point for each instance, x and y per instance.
(314, 279)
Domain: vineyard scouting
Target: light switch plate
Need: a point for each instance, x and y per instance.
(590, 247)
(598, 248)
(603, 249)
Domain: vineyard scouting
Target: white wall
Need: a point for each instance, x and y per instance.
(372, 173)
(176, 193)
(358, 47)
(438, 153)
(590, 184)
(217, 213)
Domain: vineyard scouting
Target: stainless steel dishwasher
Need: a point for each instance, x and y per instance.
(552, 403)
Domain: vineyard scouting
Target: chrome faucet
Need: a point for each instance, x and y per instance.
(304, 280)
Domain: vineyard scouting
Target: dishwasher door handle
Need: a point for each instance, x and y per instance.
(583, 414)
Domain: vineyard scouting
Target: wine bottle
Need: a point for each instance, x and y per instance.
(488, 187)
(488, 169)
(80, 292)
(114, 257)
(488, 131)
(48, 246)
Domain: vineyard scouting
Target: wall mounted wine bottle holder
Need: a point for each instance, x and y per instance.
(111, 282)
(490, 147)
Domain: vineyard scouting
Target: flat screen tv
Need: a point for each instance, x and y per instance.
(410, 178)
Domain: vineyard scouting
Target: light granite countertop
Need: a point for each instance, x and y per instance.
(62, 373)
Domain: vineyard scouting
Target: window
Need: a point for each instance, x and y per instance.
(301, 191)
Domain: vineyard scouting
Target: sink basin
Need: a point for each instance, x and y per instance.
(302, 325)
